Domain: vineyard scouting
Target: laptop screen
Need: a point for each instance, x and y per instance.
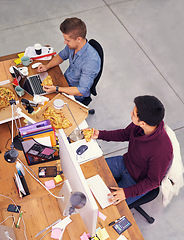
(23, 81)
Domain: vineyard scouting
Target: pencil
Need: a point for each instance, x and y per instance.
(19, 219)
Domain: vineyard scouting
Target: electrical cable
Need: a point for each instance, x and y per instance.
(9, 138)
(7, 219)
(40, 181)
(19, 212)
(45, 234)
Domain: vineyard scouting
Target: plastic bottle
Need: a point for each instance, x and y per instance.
(19, 167)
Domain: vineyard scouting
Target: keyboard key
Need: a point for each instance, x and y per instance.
(35, 82)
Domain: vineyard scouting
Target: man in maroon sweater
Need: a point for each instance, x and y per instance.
(149, 154)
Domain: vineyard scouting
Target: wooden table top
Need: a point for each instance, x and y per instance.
(40, 209)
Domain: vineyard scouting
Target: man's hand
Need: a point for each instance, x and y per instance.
(49, 88)
(42, 68)
(116, 196)
(95, 134)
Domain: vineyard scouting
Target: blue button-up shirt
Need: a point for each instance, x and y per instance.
(83, 68)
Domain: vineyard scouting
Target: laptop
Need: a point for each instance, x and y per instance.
(31, 84)
(6, 233)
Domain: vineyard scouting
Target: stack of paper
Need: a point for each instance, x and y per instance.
(21, 184)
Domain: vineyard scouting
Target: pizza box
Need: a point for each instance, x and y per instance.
(6, 112)
(78, 110)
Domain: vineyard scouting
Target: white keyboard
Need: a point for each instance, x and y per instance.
(100, 190)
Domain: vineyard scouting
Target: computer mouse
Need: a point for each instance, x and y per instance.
(81, 149)
(35, 65)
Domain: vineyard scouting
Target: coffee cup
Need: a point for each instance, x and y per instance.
(26, 60)
(20, 91)
(38, 48)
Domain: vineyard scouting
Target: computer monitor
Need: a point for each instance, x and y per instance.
(76, 182)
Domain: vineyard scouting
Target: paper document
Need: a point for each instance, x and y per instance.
(44, 141)
(93, 151)
(19, 184)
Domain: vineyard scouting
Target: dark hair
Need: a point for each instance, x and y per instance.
(74, 27)
(149, 109)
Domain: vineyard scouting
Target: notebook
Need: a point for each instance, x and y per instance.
(31, 84)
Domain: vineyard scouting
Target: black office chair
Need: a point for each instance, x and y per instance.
(145, 199)
(99, 49)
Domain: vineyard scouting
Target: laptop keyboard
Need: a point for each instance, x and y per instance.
(35, 82)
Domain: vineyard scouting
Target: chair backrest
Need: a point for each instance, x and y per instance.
(173, 180)
(99, 49)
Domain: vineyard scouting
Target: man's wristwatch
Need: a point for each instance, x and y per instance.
(57, 88)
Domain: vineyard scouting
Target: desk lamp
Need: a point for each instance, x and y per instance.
(12, 154)
(58, 104)
(78, 200)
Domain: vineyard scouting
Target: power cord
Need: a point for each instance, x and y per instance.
(40, 181)
(7, 219)
(7, 235)
(12, 216)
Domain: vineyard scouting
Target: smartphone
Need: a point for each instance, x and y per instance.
(50, 171)
(13, 208)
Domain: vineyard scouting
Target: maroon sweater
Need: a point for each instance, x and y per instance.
(148, 156)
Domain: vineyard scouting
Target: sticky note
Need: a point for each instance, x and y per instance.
(56, 233)
(58, 179)
(102, 216)
(21, 54)
(98, 229)
(50, 184)
(121, 237)
(84, 236)
(17, 61)
(102, 234)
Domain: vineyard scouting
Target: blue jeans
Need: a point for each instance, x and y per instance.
(121, 175)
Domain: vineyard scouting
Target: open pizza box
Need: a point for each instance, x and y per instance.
(79, 111)
(6, 112)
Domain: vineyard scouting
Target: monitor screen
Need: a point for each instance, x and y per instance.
(23, 82)
(77, 183)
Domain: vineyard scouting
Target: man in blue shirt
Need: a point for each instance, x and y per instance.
(84, 61)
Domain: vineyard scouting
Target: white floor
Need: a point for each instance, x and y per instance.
(143, 42)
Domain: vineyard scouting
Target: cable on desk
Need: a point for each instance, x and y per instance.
(19, 212)
(7, 219)
(46, 234)
(40, 181)
(9, 138)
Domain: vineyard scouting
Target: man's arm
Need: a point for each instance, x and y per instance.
(67, 90)
(54, 62)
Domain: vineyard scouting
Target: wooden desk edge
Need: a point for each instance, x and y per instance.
(99, 166)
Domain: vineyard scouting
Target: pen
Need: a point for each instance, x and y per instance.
(116, 220)
(19, 219)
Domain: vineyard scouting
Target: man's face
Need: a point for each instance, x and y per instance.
(71, 43)
(134, 117)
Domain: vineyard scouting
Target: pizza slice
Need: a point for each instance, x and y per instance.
(66, 123)
(57, 118)
(88, 133)
(5, 96)
(47, 81)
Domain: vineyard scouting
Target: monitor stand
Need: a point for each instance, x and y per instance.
(64, 204)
